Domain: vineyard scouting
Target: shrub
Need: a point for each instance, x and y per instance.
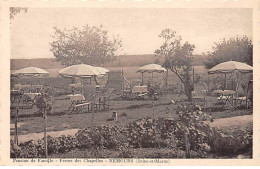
(236, 142)
(110, 137)
(148, 133)
(28, 150)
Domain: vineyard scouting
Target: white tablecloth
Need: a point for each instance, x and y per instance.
(76, 97)
(140, 89)
(224, 92)
(32, 95)
(76, 85)
(20, 86)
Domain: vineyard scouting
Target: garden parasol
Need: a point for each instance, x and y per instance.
(80, 70)
(30, 72)
(151, 68)
(229, 67)
(101, 70)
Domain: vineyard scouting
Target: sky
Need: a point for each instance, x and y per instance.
(138, 28)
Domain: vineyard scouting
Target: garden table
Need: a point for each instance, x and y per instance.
(140, 89)
(226, 96)
(76, 85)
(76, 99)
(14, 91)
(32, 95)
(27, 86)
(20, 86)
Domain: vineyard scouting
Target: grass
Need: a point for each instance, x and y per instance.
(128, 111)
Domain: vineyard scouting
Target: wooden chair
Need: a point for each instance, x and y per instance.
(104, 100)
(248, 96)
(199, 96)
(89, 92)
(127, 92)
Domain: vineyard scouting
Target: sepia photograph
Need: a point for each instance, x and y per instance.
(131, 83)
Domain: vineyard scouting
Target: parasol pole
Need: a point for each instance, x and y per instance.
(142, 78)
(81, 85)
(225, 81)
(166, 80)
(31, 84)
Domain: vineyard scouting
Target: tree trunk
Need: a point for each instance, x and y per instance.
(188, 85)
(166, 79)
(153, 106)
(45, 134)
(73, 79)
(187, 145)
(188, 90)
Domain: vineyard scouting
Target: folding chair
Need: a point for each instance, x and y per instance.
(247, 98)
(89, 92)
(199, 96)
(104, 100)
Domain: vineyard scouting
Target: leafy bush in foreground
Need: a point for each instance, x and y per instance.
(148, 133)
(110, 137)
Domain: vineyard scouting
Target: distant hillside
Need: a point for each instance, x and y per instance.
(44, 63)
(123, 60)
(133, 60)
(140, 60)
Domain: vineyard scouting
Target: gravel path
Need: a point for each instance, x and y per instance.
(37, 136)
(232, 121)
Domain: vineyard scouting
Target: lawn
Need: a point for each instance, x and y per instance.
(128, 110)
(61, 121)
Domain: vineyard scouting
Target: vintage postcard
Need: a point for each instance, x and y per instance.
(124, 82)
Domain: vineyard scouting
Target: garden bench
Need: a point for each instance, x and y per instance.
(142, 94)
(82, 105)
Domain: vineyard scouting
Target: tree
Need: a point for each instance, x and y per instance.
(44, 105)
(89, 45)
(177, 58)
(15, 10)
(236, 48)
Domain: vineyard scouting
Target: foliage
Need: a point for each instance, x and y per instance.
(15, 10)
(24, 150)
(43, 102)
(89, 45)
(178, 58)
(232, 143)
(236, 48)
(60, 144)
(110, 137)
(162, 133)
(143, 133)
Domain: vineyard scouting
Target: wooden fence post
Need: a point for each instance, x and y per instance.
(187, 143)
(16, 129)
(153, 106)
(166, 79)
(93, 111)
(45, 133)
